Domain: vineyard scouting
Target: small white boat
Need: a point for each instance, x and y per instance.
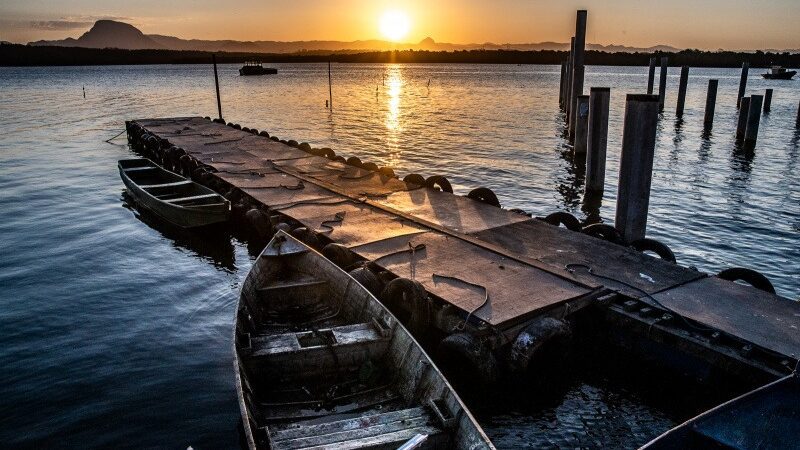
(321, 364)
(172, 197)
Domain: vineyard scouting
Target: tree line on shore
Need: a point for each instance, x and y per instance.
(23, 55)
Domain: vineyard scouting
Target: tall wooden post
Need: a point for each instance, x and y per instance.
(599, 98)
(741, 123)
(651, 76)
(742, 83)
(636, 165)
(711, 103)
(577, 69)
(767, 100)
(216, 83)
(581, 125)
(753, 119)
(561, 84)
(568, 84)
(682, 91)
(662, 83)
(797, 122)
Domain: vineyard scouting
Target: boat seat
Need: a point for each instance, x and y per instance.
(302, 282)
(287, 356)
(191, 199)
(139, 169)
(380, 430)
(175, 184)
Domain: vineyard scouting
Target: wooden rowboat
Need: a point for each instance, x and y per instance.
(321, 364)
(171, 196)
(766, 418)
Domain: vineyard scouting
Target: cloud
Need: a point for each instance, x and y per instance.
(73, 22)
(59, 25)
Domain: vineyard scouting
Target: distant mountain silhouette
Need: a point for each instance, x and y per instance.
(109, 34)
(113, 34)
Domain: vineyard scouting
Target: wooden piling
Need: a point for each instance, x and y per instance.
(662, 83)
(682, 91)
(744, 110)
(636, 165)
(711, 103)
(568, 84)
(216, 83)
(581, 124)
(742, 83)
(767, 100)
(597, 141)
(330, 86)
(561, 84)
(651, 76)
(753, 119)
(578, 68)
(797, 122)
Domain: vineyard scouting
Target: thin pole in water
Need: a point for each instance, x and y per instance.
(330, 87)
(216, 83)
(711, 103)
(84, 91)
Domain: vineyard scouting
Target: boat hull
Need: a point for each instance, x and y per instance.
(181, 216)
(788, 75)
(248, 71)
(274, 356)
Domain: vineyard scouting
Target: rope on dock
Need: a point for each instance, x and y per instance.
(463, 325)
(337, 218)
(115, 136)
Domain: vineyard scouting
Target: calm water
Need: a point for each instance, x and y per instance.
(116, 331)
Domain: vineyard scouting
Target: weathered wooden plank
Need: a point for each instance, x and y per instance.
(458, 213)
(559, 247)
(364, 429)
(764, 319)
(351, 223)
(280, 432)
(515, 289)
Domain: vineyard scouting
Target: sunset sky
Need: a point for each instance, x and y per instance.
(707, 24)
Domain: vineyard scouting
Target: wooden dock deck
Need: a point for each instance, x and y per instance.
(472, 249)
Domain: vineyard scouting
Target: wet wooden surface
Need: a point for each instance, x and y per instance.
(563, 249)
(470, 240)
(764, 319)
(463, 274)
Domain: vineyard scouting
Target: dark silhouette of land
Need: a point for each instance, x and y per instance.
(113, 34)
(25, 55)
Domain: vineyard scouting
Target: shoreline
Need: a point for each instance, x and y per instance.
(17, 55)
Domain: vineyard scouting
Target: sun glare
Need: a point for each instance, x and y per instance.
(394, 25)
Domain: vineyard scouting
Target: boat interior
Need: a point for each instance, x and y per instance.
(167, 186)
(324, 366)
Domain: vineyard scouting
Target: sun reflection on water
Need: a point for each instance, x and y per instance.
(393, 122)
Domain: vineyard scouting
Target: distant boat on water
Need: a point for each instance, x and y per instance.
(256, 68)
(779, 73)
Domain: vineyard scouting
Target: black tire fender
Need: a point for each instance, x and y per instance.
(563, 218)
(660, 249)
(439, 182)
(484, 195)
(749, 276)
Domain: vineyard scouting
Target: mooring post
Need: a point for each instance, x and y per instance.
(711, 103)
(682, 91)
(651, 76)
(753, 119)
(662, 83)
(741, 123)
(330, 86)
(216, 83)
(561, 85)
(578, 68)
(568, 84)
(597, 141)
(636, 165)
(767, 100)
(742, 83)
(581, 124)
(797, 122)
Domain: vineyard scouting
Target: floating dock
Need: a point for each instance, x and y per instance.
(490, 272)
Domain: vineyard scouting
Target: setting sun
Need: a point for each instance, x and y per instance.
(394, 25)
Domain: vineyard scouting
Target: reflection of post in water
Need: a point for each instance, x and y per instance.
(705, 145)
(592, 202)
(570, 185)
(742, 158)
